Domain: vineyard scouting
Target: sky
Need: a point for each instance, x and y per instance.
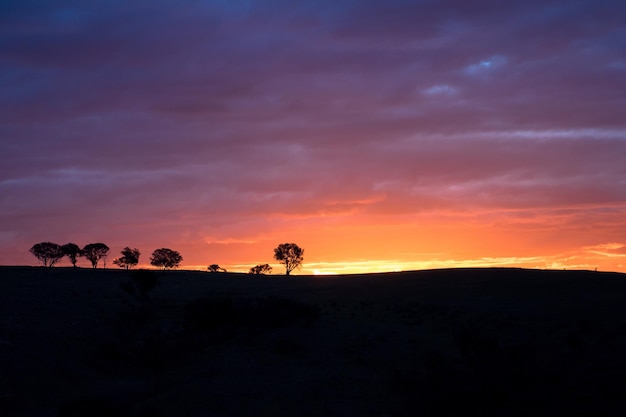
(377, 135)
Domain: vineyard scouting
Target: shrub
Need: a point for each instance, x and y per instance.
(261, 269)
(215, 268)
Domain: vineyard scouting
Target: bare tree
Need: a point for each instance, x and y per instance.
(129, 258)
(94, 252)
(261, 269)
(290, 255)
(48, 253)
(165, 258)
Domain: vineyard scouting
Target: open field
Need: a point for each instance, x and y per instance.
(500, 342)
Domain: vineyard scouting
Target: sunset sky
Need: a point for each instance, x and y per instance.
(377, 135)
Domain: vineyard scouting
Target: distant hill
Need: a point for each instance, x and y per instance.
(479, 341)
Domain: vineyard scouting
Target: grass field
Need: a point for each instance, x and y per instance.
(462, 342)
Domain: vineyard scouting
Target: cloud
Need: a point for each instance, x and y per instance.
(443, 89)
(610, 250)
(486, 66)
(212, 118)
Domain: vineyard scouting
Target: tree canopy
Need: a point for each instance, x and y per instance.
(290, 255)
(94, 252)
(215, 268)
(260, 269)
(48, 253)
(129, 258)
(165, 258)
(72, 251)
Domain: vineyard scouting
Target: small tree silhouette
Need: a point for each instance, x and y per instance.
(94, 252)
(290, 255)
(260, 269)
(215, 268)
(72, 251)
(165, 258)
(129, 258)
(47, 252)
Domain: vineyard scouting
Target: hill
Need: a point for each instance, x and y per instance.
(441, 342)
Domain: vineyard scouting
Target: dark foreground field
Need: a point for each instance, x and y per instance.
(465, 342)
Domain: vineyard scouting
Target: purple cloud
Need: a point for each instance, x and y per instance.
(221, 115)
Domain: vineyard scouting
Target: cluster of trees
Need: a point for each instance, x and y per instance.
(288, 254)
(49, 253)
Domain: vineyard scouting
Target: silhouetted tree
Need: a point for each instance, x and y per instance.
(260, 269)
(47, 252)
(72, 251)
(165, 258)
(215, 268)
(129, 258)
(94, 252)
(290, 255)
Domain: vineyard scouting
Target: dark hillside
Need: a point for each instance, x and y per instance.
(457, 342)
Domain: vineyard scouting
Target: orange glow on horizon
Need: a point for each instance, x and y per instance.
(479, 160)
(549, 239)
(371, 242)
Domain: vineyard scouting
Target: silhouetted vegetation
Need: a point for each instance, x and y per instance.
(129, 258)
(290, 255)
(260, 269)
(94, 252)
(48, 253)
(72, 251)
(165, 258)
(215, 268)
